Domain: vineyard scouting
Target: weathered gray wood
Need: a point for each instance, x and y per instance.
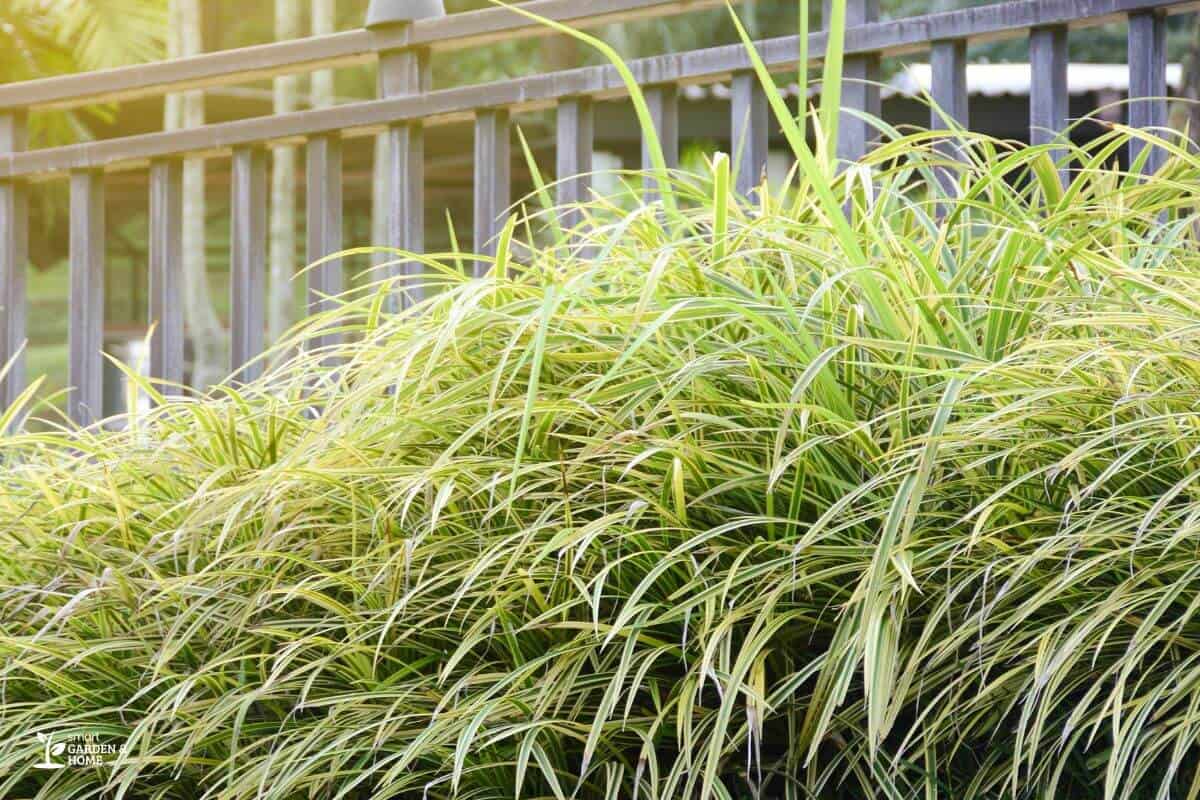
(247, 260)
(249, 64)
(948, 68)
(861, 93)
(219, 68)
(493, 161)
(1049, 96)
(860, 87)
(490, 25)
(575, 130)
(14, 260)
(166, 271)
(86, 307)
(750, 118)
(663, 102)
(1147, 82)
(405, 74)
(896, 37)
(324, 203)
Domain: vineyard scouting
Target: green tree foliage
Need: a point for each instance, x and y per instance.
(42, 38)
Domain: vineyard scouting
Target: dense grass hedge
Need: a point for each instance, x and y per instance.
(731, 501)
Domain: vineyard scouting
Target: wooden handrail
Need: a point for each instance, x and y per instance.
(246, 64)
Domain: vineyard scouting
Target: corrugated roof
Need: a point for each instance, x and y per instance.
(994, 80)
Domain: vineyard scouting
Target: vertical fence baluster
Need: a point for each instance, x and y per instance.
(1147, 82)
(86, 307)
(1048, 96)
(14, 259)
(948, 67)
(247, 259)
(166, 271)
(663, 101)
(575, 130)
(750, 120)
(324, 203)
(860, 92)
(403, 73)
(493, 156)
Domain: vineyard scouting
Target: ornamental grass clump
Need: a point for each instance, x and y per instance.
(724, 502)
(858, 490)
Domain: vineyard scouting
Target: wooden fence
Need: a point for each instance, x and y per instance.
(408, 104)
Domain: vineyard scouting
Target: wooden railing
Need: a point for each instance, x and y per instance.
(407, 105)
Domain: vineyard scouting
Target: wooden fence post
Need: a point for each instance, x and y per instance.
(1147, 82)
(948, 75)
(248, 259)
(663, 101)
(860, 90)
(166, 274)
(751, 116)
(493, 160)
(1048, 91)
(85, 403)
(403, 73)
(575, 129)
(324, 226)
(14, 261)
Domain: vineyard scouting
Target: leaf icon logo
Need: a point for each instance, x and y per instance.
(49, 751)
